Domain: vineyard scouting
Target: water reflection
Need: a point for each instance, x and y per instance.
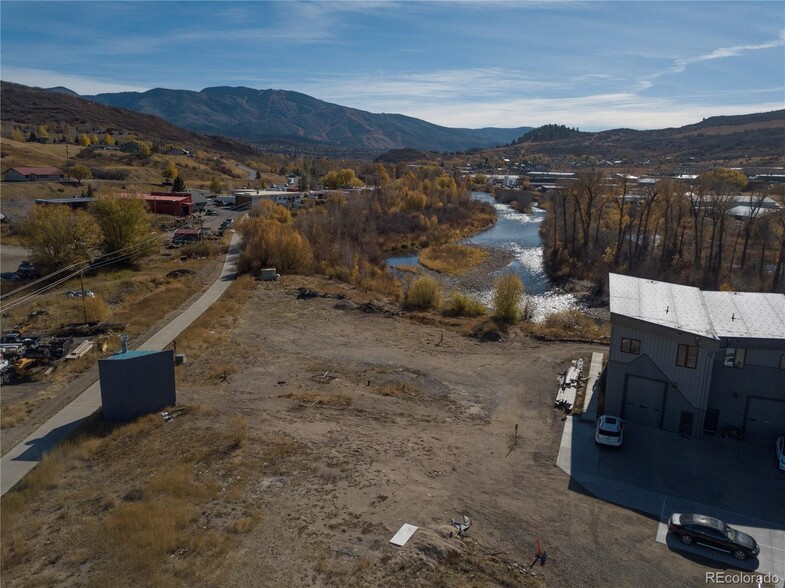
(519, 234)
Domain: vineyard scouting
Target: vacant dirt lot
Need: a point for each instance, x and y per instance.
(357, 423)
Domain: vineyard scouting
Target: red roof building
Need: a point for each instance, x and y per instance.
(174, 205)
(33, 174)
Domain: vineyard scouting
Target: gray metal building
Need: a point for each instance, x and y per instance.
(689, 361)
(138, 382)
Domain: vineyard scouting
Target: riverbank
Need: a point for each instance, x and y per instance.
(452, 258)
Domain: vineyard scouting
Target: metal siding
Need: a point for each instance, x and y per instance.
(731, 387)
(662, 351)
(614, 388)
(136, 385)
(764, 418)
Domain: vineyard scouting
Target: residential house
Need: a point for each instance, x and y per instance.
(689, 361)
(33, 174)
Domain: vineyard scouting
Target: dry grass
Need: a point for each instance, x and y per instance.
(404, 391)
(461, 305)
(408, 269)
(212, 328)
(569, 325)
(452, 259)
(242, 526)
(333, 399)
(237, 432)
(13, 414)
(221, 371)
(139, 297)
(8, 236)
(145, 503)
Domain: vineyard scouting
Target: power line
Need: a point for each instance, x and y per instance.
(104, 260)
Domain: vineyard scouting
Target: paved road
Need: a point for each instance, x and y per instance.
(24, 457)
(655, 488)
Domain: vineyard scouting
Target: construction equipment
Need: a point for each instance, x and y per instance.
(23, 366)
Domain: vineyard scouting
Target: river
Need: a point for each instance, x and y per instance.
(517, 236)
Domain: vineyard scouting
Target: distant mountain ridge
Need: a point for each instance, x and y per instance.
(263, 115)
(730, 140)
(759, 136)
(34, 106)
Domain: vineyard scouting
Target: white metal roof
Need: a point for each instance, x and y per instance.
(747, 314)
(708, 314)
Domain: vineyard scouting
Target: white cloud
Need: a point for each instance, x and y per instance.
(589, 113)
(79, 84)
(680, 65)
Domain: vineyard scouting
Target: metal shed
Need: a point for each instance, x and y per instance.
(135, 383)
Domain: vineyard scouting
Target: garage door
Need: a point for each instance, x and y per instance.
(765, 418)
(644, 400)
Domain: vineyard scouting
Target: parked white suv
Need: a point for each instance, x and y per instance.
(610, 430)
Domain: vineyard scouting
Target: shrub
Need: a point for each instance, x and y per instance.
(460, 305)
(199, 249)
(423, 293)
(237, 431)
(507, 298)
(109, 173)
(268, 243)
(96, 308)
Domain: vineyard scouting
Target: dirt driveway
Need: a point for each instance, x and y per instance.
(404, 422)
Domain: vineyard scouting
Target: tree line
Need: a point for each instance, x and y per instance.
(58, 236)
(351, 234)
(684, 232)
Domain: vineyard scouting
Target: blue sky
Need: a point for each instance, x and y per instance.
(594, 65)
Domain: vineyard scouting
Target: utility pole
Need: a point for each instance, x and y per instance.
(84, 302)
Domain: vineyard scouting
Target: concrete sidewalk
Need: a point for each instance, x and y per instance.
(24, 457)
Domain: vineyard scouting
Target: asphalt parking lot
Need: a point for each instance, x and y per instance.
(660, 473)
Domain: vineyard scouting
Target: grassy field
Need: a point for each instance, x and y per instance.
(139, 297)
(187, 502)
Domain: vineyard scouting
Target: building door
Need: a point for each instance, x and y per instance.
(765, 418)
(644, 401)
(685, 423)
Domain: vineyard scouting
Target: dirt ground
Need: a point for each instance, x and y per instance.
(411, 423)
(358, 423)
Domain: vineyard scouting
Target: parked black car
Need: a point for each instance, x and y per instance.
(713, 533)
(26, 270)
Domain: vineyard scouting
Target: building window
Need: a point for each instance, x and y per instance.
(734, 357)
(630, 345)
(687, 356)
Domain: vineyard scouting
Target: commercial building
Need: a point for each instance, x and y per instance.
(174, 204)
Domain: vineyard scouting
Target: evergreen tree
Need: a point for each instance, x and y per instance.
(178, 185)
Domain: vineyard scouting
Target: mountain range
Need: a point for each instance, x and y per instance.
(55, 107)
(294, 123)
(273, 115)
